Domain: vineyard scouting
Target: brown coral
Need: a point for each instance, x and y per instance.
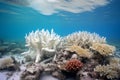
(73, 65)
(103, 49)
(80, 51)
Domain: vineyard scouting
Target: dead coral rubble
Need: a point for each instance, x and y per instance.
(32, 72)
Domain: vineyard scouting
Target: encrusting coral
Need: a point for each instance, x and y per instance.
(73, 65)
(83, 38)
(103, 49)
(40, 40)
(80, 51)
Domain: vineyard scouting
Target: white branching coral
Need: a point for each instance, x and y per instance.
(82, 38)
(41, 40)
(104, 49)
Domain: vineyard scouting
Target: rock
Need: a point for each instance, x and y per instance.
(13, 45)
(0, 54)
(6, 43)
(9, 63)
(47, 53)
(74, 56)
(9, 74)
(32, 72)
(17, 50)
(83, 76)
(86, 78)
(58, 75)
(47, 77)
(3, 48)
(50, 67)
(28, 58)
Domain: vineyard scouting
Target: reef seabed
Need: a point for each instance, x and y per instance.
(67, 58)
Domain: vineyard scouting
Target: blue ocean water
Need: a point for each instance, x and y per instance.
(16, 20)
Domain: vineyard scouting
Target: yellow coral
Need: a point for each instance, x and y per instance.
(80, 51)
(114, 60)
(109, 71)
(104, 49)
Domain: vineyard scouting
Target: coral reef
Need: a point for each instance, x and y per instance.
(38, 40)
(104, 49)
(80, 51)
(82, 55)
(73, 65)
(114, 60)
(83, 39)
(110, 71)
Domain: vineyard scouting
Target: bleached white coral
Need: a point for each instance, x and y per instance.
(38, 40)
(82, 38)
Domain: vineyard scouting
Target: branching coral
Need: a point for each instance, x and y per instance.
(103, 49)
(80, 51)
(82, 38)
(109, 71)
(73, 65)
(40, 40)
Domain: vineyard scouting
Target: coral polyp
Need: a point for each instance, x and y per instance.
(73, 65)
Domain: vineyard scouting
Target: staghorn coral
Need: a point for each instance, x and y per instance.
(103, 49)
(73, 65)
(110, 71)
(80, 51)
(83, 38)
(41, 40)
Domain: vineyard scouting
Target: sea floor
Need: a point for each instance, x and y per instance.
(14, 49)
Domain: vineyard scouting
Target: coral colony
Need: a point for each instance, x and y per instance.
(41, 40)
(84, 54)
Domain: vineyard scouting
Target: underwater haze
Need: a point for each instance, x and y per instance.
(19, 17)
